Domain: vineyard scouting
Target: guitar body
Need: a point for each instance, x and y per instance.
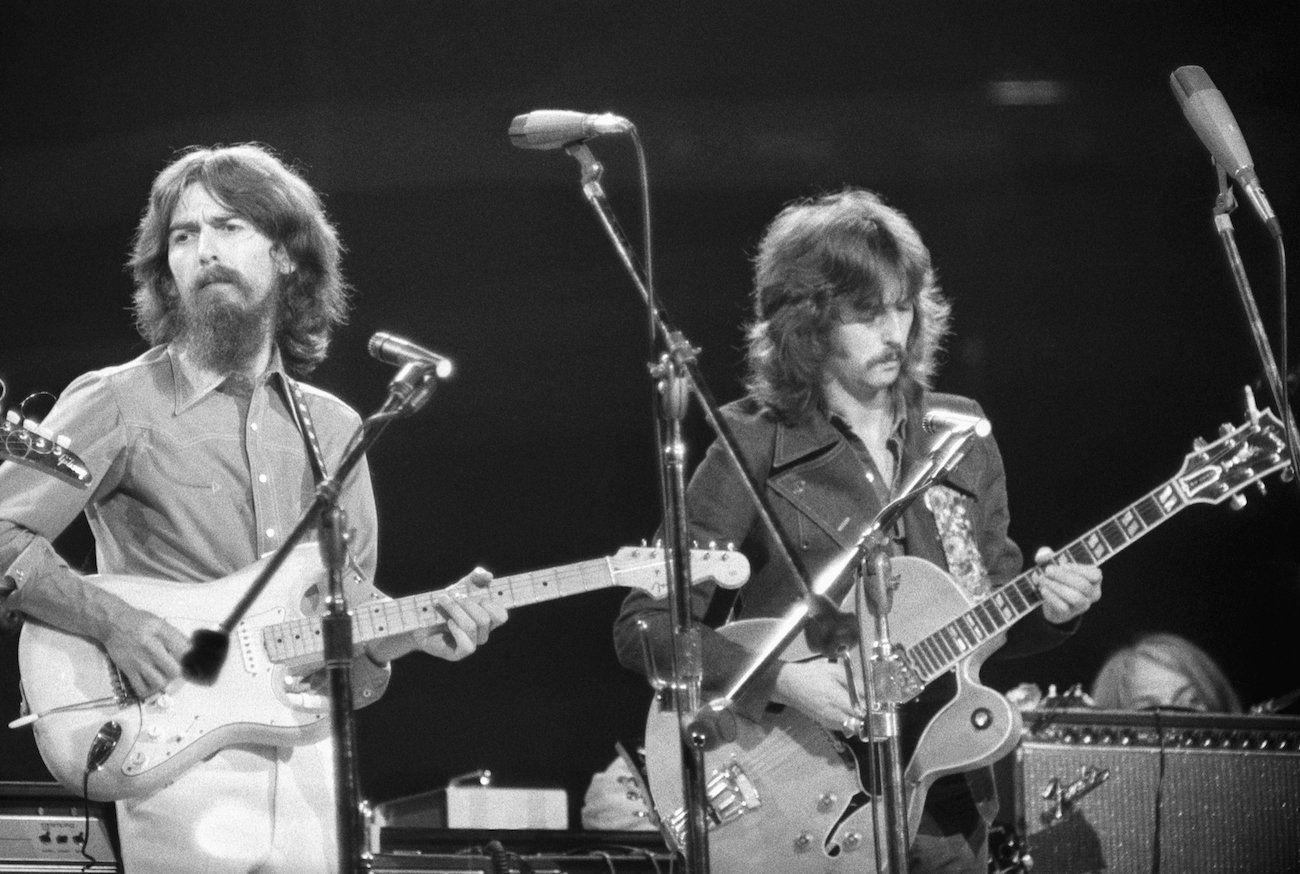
(74, 692)
(801, 776)
(804, 776)
(253, 701)
(785, 782)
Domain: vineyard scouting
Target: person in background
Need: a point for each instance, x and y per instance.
(1163, 671)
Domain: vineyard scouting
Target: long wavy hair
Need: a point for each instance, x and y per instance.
(1112, 688)
(252, 182)
(822, 261)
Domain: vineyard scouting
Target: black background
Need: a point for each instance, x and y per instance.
(1095, 318)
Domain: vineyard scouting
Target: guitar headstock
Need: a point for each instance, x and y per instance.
(27, 443)
(1242, 456)
(642, 567)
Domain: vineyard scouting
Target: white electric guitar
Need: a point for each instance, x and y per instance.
(96, 735)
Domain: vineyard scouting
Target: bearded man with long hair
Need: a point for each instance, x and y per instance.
(848, 320)
(202, 457)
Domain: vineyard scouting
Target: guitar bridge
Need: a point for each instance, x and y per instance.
(730, 795)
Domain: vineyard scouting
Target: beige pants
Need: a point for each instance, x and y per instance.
(246, 809)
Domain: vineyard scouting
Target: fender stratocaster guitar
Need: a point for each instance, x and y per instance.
(74, 692)
(779, 794)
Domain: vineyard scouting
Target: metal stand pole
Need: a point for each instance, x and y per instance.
(1223, 206)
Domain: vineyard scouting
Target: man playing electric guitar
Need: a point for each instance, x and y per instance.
(847, 323)
(205, 453)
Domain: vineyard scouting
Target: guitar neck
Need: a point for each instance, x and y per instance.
(299, 641)
(1010, 603)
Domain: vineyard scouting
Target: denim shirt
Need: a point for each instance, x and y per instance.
(191, 481)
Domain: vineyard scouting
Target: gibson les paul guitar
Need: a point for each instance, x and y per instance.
(74, 692)
(779, 794)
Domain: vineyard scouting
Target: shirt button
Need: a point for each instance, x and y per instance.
(870, 478)
(252, 425)
(261, 477)
(270, 532)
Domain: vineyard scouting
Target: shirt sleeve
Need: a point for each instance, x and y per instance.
(36, 508)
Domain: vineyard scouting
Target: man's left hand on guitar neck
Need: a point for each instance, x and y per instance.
(1068, 589)
(469, 622)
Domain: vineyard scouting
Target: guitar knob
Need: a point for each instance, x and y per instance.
(803, 842)
(826, 802)
(852, 840)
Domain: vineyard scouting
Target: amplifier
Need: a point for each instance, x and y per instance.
(45, 828)
(1104, 791)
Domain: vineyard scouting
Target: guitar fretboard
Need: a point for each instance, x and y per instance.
(932, 655)
(300, 640)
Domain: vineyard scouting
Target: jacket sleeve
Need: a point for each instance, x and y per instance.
(719, 511)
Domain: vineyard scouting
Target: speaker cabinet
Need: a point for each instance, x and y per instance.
(1101, 791)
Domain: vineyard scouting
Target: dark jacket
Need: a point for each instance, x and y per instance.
(821, 501)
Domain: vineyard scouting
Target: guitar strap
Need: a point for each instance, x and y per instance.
(951, 511)
(302, 418)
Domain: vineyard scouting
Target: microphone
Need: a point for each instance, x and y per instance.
(937, 420)
(398, 351)
(557, 128)
(1214, 124)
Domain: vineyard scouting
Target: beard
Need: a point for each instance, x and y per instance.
(224, 334)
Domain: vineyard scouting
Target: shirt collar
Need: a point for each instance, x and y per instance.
(193, 385)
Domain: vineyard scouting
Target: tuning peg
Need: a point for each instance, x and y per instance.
(1237, 501)
(1199, 443)
(1251, 410)
(1261, 488)
(1225, 429)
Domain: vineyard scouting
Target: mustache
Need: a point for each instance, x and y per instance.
(219, 273)
(893, 354)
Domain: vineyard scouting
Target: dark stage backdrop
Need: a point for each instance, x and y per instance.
(1070, 222)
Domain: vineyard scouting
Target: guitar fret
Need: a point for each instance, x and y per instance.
(1016, 596)
(920, 658)
(1152, 513)
(1095, 543)
(984, 613)
(930, 656)
(969, 630)
(1078, 552)
(1167, 498)
(1000, 602)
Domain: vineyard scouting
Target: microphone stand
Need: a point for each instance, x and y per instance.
(677, 370)
(1224, 204)
(409, 390)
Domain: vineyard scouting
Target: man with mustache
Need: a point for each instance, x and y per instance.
(203, 462)
(848, 320)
